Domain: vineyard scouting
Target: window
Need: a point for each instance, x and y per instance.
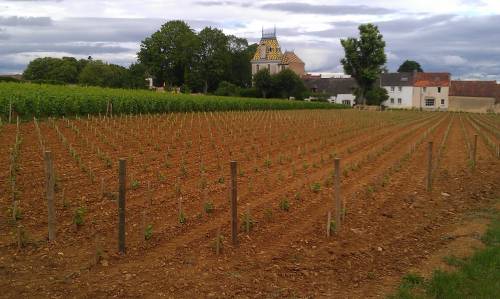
(399, 101)
(346, 102)
(392, 100)
(439, 89)
(429, 102)
(400, 88)
(425, 89)
(442, 101)
(392, 88)
(258, 67)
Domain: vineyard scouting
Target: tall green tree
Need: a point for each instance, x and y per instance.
(263, 82)
(364, 58)
(168, 53)
(240, 70)
(98, 73)
(288, 84)
(212, 58)
(64, 69)
(410, 66)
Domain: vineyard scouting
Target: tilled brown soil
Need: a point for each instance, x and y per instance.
(391, 222)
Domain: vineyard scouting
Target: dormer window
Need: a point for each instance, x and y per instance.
(392, 88)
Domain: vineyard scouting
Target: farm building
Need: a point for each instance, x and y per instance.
(269, 56)
(475, 96)
(338, 90)
(399, 87)
(417, 90)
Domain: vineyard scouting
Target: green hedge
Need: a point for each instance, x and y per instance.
(30, 100)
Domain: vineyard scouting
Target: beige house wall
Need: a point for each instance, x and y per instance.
(273, 67)
(420, 94)
(298, 68)
(473, 104)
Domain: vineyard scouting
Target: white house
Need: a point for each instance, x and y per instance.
(399, 87)
(416, 90)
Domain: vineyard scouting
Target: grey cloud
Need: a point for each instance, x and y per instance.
(306, 8)
(117, 38)
(460, 45)
(223, 3)
(25, 21)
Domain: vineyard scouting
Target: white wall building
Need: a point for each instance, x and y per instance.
(399, 87)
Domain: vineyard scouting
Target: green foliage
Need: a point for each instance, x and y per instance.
(47, 100)
(168, 53)
(9, 79)
(316, 187)
(410, 66)
(208, 207)
(182, 217)
(364, 58)
(284, 84)
(227, 89)
(332, 226)
(211, 59)
(64, 69)
(285, 205)
(148, 232)
(476, 277)
(135, 184)
(262, 82)
(78, 216)
(376, 95)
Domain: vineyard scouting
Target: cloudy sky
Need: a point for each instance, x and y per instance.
(458, 36)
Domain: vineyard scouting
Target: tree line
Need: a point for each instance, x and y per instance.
(69, 70)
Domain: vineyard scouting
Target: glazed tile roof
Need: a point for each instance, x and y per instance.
(290, 57)
(432, 79)
(485, 89)
(273, 50)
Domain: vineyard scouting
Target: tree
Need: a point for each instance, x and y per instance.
(212, 57)
(410, 66)
(263, 83)
(168, 53)
(137, 75)
(52, 69)
(98, 73)
(376, 96)
(240, 70)
(364, 58)
(288, 84)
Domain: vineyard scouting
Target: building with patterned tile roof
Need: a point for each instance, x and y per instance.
(269, 56)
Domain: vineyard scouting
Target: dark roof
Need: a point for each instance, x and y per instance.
(397, 79)
(332, 86)
(432, 79)
(485, 89)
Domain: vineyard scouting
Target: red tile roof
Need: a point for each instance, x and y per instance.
(432, 79)
(485, 89)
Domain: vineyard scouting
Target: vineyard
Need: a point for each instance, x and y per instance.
(178, 190)
(36, 100)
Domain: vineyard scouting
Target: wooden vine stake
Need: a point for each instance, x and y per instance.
(247, 220)
(328, 224)
(474, 152)
(121, 205)
(50, 184)
(429, 167)
(234, 204)
(338, 199)
(217, 242)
